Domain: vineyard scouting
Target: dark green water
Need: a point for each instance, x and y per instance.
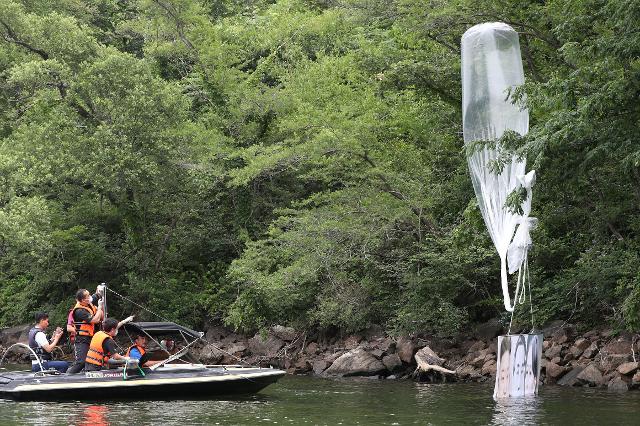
(314, 401)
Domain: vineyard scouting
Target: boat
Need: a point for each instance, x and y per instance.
(173, 378)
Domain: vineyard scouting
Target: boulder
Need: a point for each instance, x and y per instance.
(266, 347)
(477, 346)
(561, 335)
(429, 357)
(579, 347)
(210, 354)
(489, 368)
(591, 351)
(405, 348)
(385, 344)
(377, 353)
(635, 380)
(570, 378)
(617, 347)
(392, 362)
(319, 366)
(627, 368)
(618, 384)
(301, 366)
(488, 330)
(332, 357)
(11, 335)
(555, 371)
(288, 334)
(591, 376)
(357, 362)
(237, 349)
(612, 362)
(553, 351)
(352, 341)
(215, 333)
(312, 348)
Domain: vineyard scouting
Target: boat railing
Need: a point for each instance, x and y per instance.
(23, 346)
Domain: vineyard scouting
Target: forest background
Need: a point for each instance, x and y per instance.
(300, 162)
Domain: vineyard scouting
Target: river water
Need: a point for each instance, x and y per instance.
(314, 401)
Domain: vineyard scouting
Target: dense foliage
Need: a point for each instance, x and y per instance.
(300, 162)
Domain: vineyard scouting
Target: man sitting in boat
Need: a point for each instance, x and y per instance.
(103, 347)
(85, 317)
(138, 351)
(42, 347)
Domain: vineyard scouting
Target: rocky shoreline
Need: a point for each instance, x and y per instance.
(597, 358)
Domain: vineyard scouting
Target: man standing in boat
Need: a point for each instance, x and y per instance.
(85, 317)
(103, 347)
(42, 347)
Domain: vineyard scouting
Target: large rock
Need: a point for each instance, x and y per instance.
(352, 341)
(553, 351)
(287, 334)
(428, 356)
(571, 378)
(265, 347)
(489, 368)
(612, 362)
(627, 368)
(357, 362)
(591, 351)
(617, 347)
(211, 354)
(392, 362)
(488, 330)
(591, 376)
(562, 335)
(11, 335)
(312, 348)
(579, 347)
(555, 371)
(405, 348)
(215, 333)
(319, 366)
(618, 384)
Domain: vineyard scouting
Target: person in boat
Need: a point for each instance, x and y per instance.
(85, 317)
(71, 328)
(42, 347)
(139, 351)
(103, 347)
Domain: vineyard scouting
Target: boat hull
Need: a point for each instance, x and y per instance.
(210, 382)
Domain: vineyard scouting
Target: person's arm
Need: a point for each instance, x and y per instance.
(125, 321)
(41, 339)
(109, 346)
(99, 313)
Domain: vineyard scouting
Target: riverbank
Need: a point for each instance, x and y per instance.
(597, 358)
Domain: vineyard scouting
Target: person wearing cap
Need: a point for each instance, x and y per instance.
(42, 347)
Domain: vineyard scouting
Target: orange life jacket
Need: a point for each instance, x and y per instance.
(96, 354)
(139, 348)
(84, 328)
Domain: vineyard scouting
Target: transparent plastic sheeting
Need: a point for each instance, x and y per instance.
(491, 68)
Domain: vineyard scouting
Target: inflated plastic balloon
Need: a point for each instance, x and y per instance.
(491, 69)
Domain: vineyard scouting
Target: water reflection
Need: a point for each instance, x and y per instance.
(517, 411)
(313, 401)
(93, 415)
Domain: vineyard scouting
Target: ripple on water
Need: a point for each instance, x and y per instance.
(313, 401)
